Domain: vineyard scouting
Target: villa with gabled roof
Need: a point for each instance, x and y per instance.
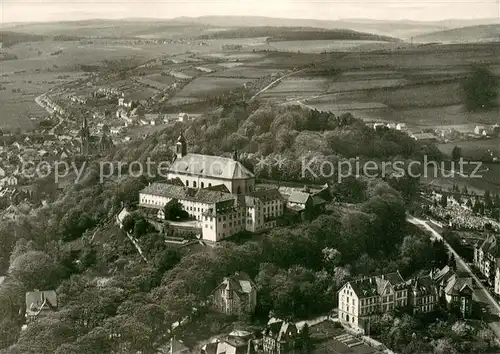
(235, 295)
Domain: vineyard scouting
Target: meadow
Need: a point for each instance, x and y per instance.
(205, 86)
(319, 46)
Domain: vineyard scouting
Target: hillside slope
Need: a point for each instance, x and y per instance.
(295, 34)
(481, 33)
(8, 38)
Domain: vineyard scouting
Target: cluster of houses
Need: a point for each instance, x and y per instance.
(363, 299)
(220, 197)
(487, 261)
(50, 105)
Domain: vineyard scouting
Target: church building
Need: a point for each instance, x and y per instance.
(93, 144)
(203, 171)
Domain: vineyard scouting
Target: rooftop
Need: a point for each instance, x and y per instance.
(185, 193)
(210, 166)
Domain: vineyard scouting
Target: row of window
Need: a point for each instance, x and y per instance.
(202, 184)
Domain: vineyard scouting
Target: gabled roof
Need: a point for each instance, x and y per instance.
(186, 193)
(366, 287)
(280, 330)
(443, 275)
(299, 197)
(459, 286)
(210, 166)
(37, 301)
(219, 188)
(395, 279)
(264, 195)
(239, 282)
(178, 347)
(490, 246)
(423, 285)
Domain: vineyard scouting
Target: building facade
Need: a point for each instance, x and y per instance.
(217, 214)
(235, 295)
(203, 171)
(280, 337)
(360, 300)
(486, 256)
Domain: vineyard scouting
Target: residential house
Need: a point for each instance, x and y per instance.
(280, 337)
(379, 126)
(485, 257)
(401, 127)
(306, 204)
(263, 208)
(480, 130)
(9, 181)
(423, 295)
(454, 290)
(39, 303)
(236, 295)
(424, 137)
(237, 342)
(121, 216)
(178, 347)
(360, 300)
(459, 292)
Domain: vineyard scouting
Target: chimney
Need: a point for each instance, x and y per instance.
(235, 155)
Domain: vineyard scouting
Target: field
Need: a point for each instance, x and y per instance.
(245, 72)
(319, 46)
(203, 86)
(474, 148)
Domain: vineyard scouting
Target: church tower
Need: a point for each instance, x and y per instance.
(85, 137)
(181, 146)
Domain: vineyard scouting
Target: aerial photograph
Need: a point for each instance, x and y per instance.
(249, 177)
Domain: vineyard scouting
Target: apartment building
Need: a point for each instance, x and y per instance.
(364, 298)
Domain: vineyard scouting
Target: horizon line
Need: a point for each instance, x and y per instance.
(354, 19)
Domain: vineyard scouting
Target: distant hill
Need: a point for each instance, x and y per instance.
(8, 38)
(481, 33)
(111, 28)
(276, 34)
(190, 27)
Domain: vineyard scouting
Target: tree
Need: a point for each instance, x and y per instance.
(35, 270)
(452, 263)
(175, 211)
(444, 200)
(305, 343)
(332, 257)
(440, 254)
(140, 227)
(128, 223)
(444, 346)
(480, 89)
(456, 153)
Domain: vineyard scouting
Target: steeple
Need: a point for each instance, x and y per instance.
(181, 146)
(85, 136)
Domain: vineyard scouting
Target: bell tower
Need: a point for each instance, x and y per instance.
(181, 146)
(85, 137)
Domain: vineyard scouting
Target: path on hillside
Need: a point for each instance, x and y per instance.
(481, 294)
(275, 82)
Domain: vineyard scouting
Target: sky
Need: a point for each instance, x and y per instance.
(423, 10)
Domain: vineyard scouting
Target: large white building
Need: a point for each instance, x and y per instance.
(203, 171)
(362, 299)
(218, 194)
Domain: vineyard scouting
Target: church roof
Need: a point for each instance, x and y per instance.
(186, 193)
(210, 166)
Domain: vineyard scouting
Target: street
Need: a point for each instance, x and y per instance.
(481, 294)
